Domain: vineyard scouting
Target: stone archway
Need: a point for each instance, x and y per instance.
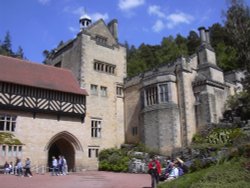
(64, 144)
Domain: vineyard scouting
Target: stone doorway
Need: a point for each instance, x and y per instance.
(62, 147)
(64, 144)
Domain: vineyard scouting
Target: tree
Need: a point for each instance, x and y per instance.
(237, 24)
(182, 45)
(6, 46)
(226, 53)
(20, 53)
(193, 41)
(170, 50)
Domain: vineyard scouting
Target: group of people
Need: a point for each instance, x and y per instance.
(59, 166)
(18, 168)
(173, 170)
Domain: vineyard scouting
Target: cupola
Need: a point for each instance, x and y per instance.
(84, 21)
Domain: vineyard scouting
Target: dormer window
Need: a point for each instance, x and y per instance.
(101, 40)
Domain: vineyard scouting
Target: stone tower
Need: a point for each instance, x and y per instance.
(98, 62)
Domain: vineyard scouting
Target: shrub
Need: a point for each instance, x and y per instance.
(198, 139)
(113, 160)
(196, 165)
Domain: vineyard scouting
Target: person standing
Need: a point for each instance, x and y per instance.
(19, 167)
(65, 166)
(154, 167)
(27, 168)
(54, 166)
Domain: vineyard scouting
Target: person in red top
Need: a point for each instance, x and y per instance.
(154, 169)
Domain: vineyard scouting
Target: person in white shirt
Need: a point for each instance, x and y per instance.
(174, 173)
(54, 166)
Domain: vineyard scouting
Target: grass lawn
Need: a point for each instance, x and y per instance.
(230, 174)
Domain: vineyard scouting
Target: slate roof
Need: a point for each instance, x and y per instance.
(26, 73)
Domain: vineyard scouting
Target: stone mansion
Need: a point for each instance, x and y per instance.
(81, 100)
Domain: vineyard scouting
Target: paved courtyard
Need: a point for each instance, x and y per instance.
(87, 179)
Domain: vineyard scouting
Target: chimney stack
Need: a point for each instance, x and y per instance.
(113, 27)
(207, 36)
(202, 35)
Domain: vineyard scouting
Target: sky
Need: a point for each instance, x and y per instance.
(38, 25)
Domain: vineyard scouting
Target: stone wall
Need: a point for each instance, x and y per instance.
(37, 135)
(80, 57)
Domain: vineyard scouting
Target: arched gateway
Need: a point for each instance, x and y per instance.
(66, 144)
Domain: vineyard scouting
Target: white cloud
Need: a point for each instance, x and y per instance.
(158, 26)
(44, 2)
(178, 18)
(96, 16)
(80, 11)
(168, 21)
(130, 4)
(155, 10)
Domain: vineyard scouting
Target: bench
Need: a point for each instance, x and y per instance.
(1, 169)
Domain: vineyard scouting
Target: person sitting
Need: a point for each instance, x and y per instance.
(174, 173)
(11, 168)
(169, 167)
(6, 168)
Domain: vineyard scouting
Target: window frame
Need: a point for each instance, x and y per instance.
(96, 128)
(94, 89)
(93, 152)
(7, 123)
(103, 91)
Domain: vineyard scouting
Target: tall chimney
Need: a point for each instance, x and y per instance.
(202, 35)
(113, 27)
(207, 36)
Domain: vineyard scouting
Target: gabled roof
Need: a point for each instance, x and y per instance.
(23, 72)
(100, 28)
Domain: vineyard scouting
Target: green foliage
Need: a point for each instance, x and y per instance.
(197, 138)
(239, 104)
(6, 48)
(229, 174)
(237, 24)
(218, 137)
(9, 139)
(226, 57)
(143, 148)
(193, 41)
(113, 160)
(150, 56)
(197, 165)
(231, 43)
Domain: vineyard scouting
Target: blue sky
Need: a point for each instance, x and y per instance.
(37, 25)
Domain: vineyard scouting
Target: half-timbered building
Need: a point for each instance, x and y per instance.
(42, 113)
